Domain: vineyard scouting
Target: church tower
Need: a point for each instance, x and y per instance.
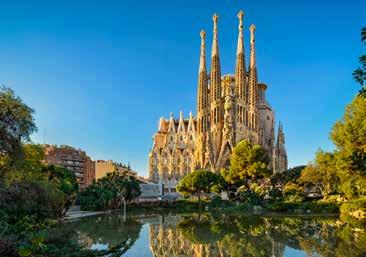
(253, 89)
(202, 104)
(280, 155)
(230, 108)
(216, 117)
(240, 84)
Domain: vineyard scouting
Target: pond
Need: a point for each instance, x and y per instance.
(210, 234)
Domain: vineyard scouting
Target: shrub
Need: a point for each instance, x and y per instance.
(354, 206)
(216, 201)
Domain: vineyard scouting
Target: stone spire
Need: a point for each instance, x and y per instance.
(280, 151)
(253, 87)
(240, 71)
(253, 91)
(191, 126)
(181, 127)
(215, 64)
(202, 94)
(280, 136)
(202, 76)
(202, 67)
(171, 127)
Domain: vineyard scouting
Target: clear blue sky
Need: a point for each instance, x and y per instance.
(99, 74)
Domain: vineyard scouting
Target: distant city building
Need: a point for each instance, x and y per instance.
(230, 108)
(102, 168)
(72, 159)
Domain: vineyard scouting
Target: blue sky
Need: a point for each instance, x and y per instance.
(99, 74)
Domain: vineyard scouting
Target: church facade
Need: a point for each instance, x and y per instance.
(230, 108)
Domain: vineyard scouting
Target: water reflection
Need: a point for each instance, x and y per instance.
(204, 235)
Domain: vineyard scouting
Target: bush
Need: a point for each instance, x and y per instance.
(355, 207)
(37, 198)
(216, 202)
(314, 207)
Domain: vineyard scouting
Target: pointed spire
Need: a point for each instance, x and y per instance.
(215, 64)
(215, 44)
(181, 127)
(202, 94)
(161, 121)
(253, 88)
(202, 67)
(171, 123)
(240, 48)
(191, 126)
(240, 71)
(280, 135)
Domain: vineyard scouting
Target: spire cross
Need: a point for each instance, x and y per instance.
(240, 17)
(252, 30)
(203, 34)
(215, 19)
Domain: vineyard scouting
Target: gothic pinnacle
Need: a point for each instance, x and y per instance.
(240, 16)
(240, 70)
(252, 45)
(203, 52)
(215, 49)
(215, 65)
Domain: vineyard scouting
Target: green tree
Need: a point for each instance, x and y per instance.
(349, 137)
(16, 124)
(359, 74)
(198, 182)
(248, 162)
(322, 174)
(109, 192)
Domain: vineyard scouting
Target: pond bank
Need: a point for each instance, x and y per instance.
(79, 214)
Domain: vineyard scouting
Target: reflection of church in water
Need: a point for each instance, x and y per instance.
(168, 241)
(230, 108)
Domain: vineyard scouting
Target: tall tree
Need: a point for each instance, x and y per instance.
(322, 174)
(359, 74)
(248, 162)
(109, 192)
(16, 124)
(349, 136)
(198, 182)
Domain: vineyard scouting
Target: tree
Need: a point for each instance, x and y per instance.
(322, 175)
(109, 192)
(248, 162)
(16, 122)
(200, 181)
(349, 136)
(37, 189)
(359, 74)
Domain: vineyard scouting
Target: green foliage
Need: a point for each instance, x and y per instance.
(33, 188)
(248, 162)
(216, 201)
(200, 181)
(349, 136)
(322, 176)
(200, 230)
(16, 124)
(359, 74)
(290, 175)
(313, 206)
(240, 235)
(356, 208)
(109, 192)
(293, 193)
(253, 195)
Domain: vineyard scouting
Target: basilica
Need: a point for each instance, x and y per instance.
(230, 108)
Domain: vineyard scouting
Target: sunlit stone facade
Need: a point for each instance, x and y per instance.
(230, 108)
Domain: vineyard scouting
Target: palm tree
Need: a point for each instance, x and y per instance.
(359, 75)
